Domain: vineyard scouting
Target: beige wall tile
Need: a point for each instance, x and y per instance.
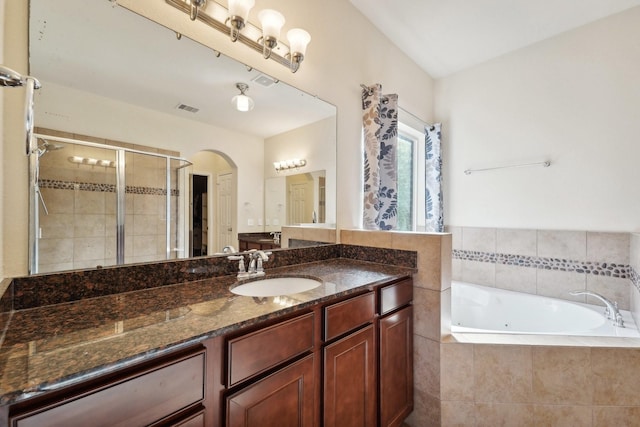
(426, 410)
(445, 312)
(571, 245)
(379, 239)
(613, 288)
(635, 303)
(426, 365)
(57, 226)
(479, 239)
(89, 225)
(616, 416)
(89, 202)
(634, 255)
(59, 201)
(426, 313)
(145, 225)
(557, 284)
(481, 273)
(458, 414)
(514, 278)
(505, 415)
(562, 416)
(516, 242)
(608, 247)
(318, 234)
(562, 375)
(456, 269)
(88, 248)
(615, 376)
(456, 236)
(457, 372)
(147, 204)
(50, 268)
(55, 251)
(144, 247)
(503, 373)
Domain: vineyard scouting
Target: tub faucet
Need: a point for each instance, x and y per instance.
(611, 311)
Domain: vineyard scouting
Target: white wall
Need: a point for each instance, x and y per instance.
(573, 99)
(317, 144)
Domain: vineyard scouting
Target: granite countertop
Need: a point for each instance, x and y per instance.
(51, 346)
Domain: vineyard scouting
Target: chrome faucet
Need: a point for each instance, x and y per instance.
(229, 250)
(242, 272)
(257, 258)
(611, 311)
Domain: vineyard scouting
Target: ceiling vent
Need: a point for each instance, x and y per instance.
(188, 108)
(264, 80)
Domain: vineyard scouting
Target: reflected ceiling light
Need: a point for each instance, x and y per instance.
(234, 22)
(289, 164)
(242, 102)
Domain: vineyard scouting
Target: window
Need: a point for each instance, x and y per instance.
(410, 178)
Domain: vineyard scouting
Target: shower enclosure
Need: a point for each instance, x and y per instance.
(94, 204)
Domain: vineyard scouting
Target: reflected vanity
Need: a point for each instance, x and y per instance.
(181, 109)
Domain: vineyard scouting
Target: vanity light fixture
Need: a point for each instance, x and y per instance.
(234, 22)
(289, 164)
(92, 162)
(242, 102)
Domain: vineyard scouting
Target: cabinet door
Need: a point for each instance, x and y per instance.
(396, 367)
(350, 381)
(284, 399)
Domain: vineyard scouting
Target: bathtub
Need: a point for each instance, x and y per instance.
(482, 309)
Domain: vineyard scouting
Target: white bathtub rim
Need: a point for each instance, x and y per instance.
(628, 337)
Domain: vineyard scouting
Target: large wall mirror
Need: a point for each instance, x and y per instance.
(143, 157)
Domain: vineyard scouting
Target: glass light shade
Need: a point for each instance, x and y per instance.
(298, 41)
(242, 103)
(271, 22)
(240, 8)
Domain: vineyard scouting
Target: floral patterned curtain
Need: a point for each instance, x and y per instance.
(434, 220)
(380, 127)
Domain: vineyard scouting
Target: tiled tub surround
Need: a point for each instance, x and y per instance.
(80, 230)
(545, 262)
(176, 303)
(526, 380)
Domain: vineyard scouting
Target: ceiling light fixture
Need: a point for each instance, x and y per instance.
(242, 102)
(233, 21)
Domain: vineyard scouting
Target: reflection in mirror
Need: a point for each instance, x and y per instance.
(125, 84)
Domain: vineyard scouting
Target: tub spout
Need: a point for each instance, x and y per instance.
(611, 310)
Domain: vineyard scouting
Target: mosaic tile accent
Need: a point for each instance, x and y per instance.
(103, 188)
(596, 268)
(635, 278)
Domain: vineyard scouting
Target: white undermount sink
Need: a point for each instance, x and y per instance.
(276, 286)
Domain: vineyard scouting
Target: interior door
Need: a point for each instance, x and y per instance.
(224, 202)
(298, 203)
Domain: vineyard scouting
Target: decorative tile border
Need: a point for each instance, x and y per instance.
(596, 268)
(103, 188)
(635, 278)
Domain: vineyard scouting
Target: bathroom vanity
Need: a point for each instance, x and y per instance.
(195, 354)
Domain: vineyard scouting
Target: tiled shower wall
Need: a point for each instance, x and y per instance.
(79, 230)
(547, 262)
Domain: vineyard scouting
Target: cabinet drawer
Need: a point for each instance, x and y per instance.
(347, 315)
(251, 354)
(137, 401)
(396, 295)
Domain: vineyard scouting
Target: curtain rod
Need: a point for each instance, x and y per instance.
(545, 164)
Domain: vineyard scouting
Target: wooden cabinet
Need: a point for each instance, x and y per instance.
(395, 333)
(137, 397)
(395, 353)
(285, 398)
(347, 362)
(350, 380)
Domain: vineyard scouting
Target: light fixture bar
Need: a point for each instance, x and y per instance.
(279, 57)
